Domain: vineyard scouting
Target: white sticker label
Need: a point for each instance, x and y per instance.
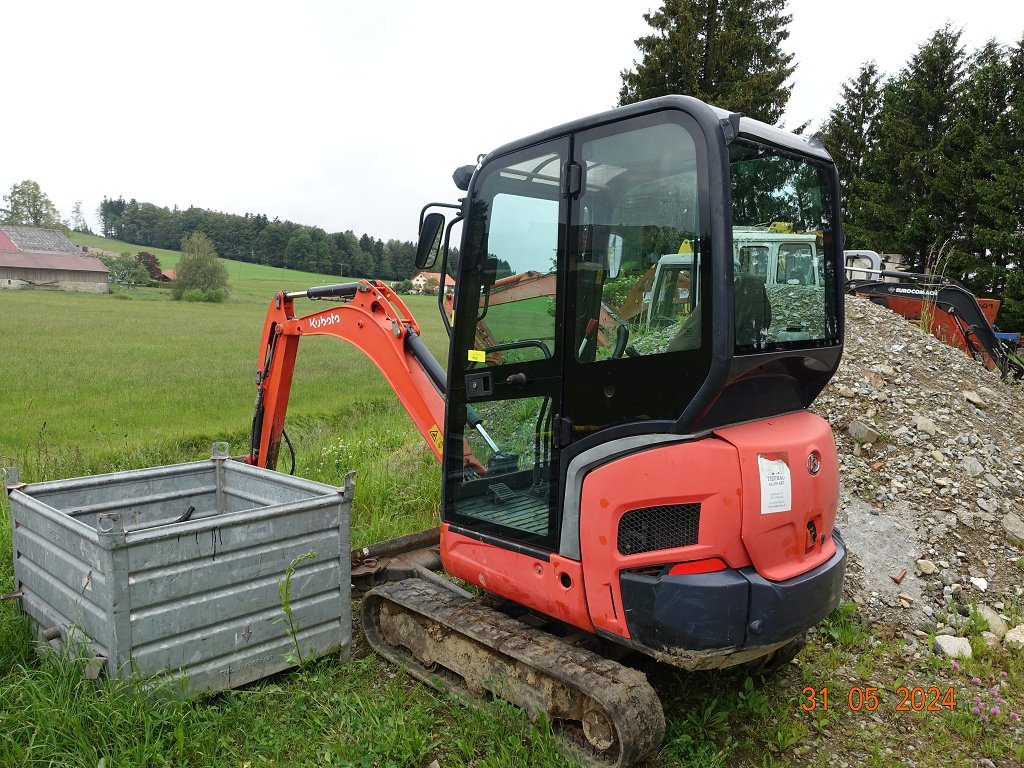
(776, 486)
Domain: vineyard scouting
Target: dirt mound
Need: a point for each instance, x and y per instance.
(932, 472)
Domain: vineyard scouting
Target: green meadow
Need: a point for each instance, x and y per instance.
(99, 383)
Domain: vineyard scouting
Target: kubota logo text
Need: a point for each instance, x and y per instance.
(323, 322)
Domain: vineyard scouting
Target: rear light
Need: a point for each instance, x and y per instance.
(698, 566)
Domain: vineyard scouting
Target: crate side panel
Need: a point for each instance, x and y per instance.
(188, 577)
(63, 606)
(81, 571)
(60, 568)
(154, 510)
(216, 536)
(258, 661)
(119, 489)
(223, 640)
(205, 609)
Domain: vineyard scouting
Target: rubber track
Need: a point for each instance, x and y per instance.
(541, 663)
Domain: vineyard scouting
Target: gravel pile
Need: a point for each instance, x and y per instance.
(932, 474)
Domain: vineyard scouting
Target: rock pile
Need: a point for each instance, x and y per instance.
(932, 471)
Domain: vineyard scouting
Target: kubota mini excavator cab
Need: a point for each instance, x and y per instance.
(660, 484)
(671, 493)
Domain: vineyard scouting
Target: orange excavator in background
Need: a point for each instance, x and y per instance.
(941, 305)
(650, 483)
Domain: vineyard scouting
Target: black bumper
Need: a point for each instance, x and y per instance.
(731, 609)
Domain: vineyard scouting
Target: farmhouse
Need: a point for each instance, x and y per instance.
(45, 258)
(419, 282)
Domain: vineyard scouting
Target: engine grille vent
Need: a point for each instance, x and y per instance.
(649, 529)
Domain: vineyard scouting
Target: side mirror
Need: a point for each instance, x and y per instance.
(430, 240)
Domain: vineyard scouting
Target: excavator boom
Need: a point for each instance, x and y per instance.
(952, 313)
(367, 314)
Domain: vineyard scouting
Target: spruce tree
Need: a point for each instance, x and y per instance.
(849, 131)
(1001, 194)
(906, 201)
(724, 52)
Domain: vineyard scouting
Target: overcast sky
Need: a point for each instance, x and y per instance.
(352, 115)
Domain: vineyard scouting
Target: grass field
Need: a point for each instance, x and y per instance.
(94, 383)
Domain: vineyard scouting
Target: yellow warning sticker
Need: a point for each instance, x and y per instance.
(477, 356)
(436, 436)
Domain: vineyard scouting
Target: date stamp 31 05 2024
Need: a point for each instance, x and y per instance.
(870, 698)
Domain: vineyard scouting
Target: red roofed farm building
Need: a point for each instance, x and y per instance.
(44, 258)
(419, 283)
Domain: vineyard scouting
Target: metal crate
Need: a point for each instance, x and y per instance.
(176, 570)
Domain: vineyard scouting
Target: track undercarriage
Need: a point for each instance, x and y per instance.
(605, 713)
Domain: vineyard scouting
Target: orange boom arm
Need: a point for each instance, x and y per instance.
(374, 319)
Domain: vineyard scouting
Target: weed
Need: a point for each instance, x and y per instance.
(752, 702)
(291, 624)
(846, 626)
(703, 736)
(786, 735)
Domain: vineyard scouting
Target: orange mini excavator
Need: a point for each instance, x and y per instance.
(658, 487)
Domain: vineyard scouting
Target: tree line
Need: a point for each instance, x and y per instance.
(257, 239)
(932, 164)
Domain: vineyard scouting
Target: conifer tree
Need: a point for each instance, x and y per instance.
(906, 202)
(725, 52)
(849, 131)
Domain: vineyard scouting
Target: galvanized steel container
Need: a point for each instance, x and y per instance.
(120, 562)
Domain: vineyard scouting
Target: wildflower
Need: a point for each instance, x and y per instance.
(1002, 673)
(995, 710)
(976, 680)
(954, 665)
(1015, 716)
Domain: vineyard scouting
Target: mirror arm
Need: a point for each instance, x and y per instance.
(444, 274)
(428, 206)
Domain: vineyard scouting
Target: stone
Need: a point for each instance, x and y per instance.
(1014, 526)
(862, 433)
(979, 582)
(973, 398)
(1015, 638)
(972, 466)
(953, 647)
(926, 425)
(995, 622)
(988, 393)
(927, 567)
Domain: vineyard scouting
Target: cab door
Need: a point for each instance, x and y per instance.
(638, 279)
(505, 368)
